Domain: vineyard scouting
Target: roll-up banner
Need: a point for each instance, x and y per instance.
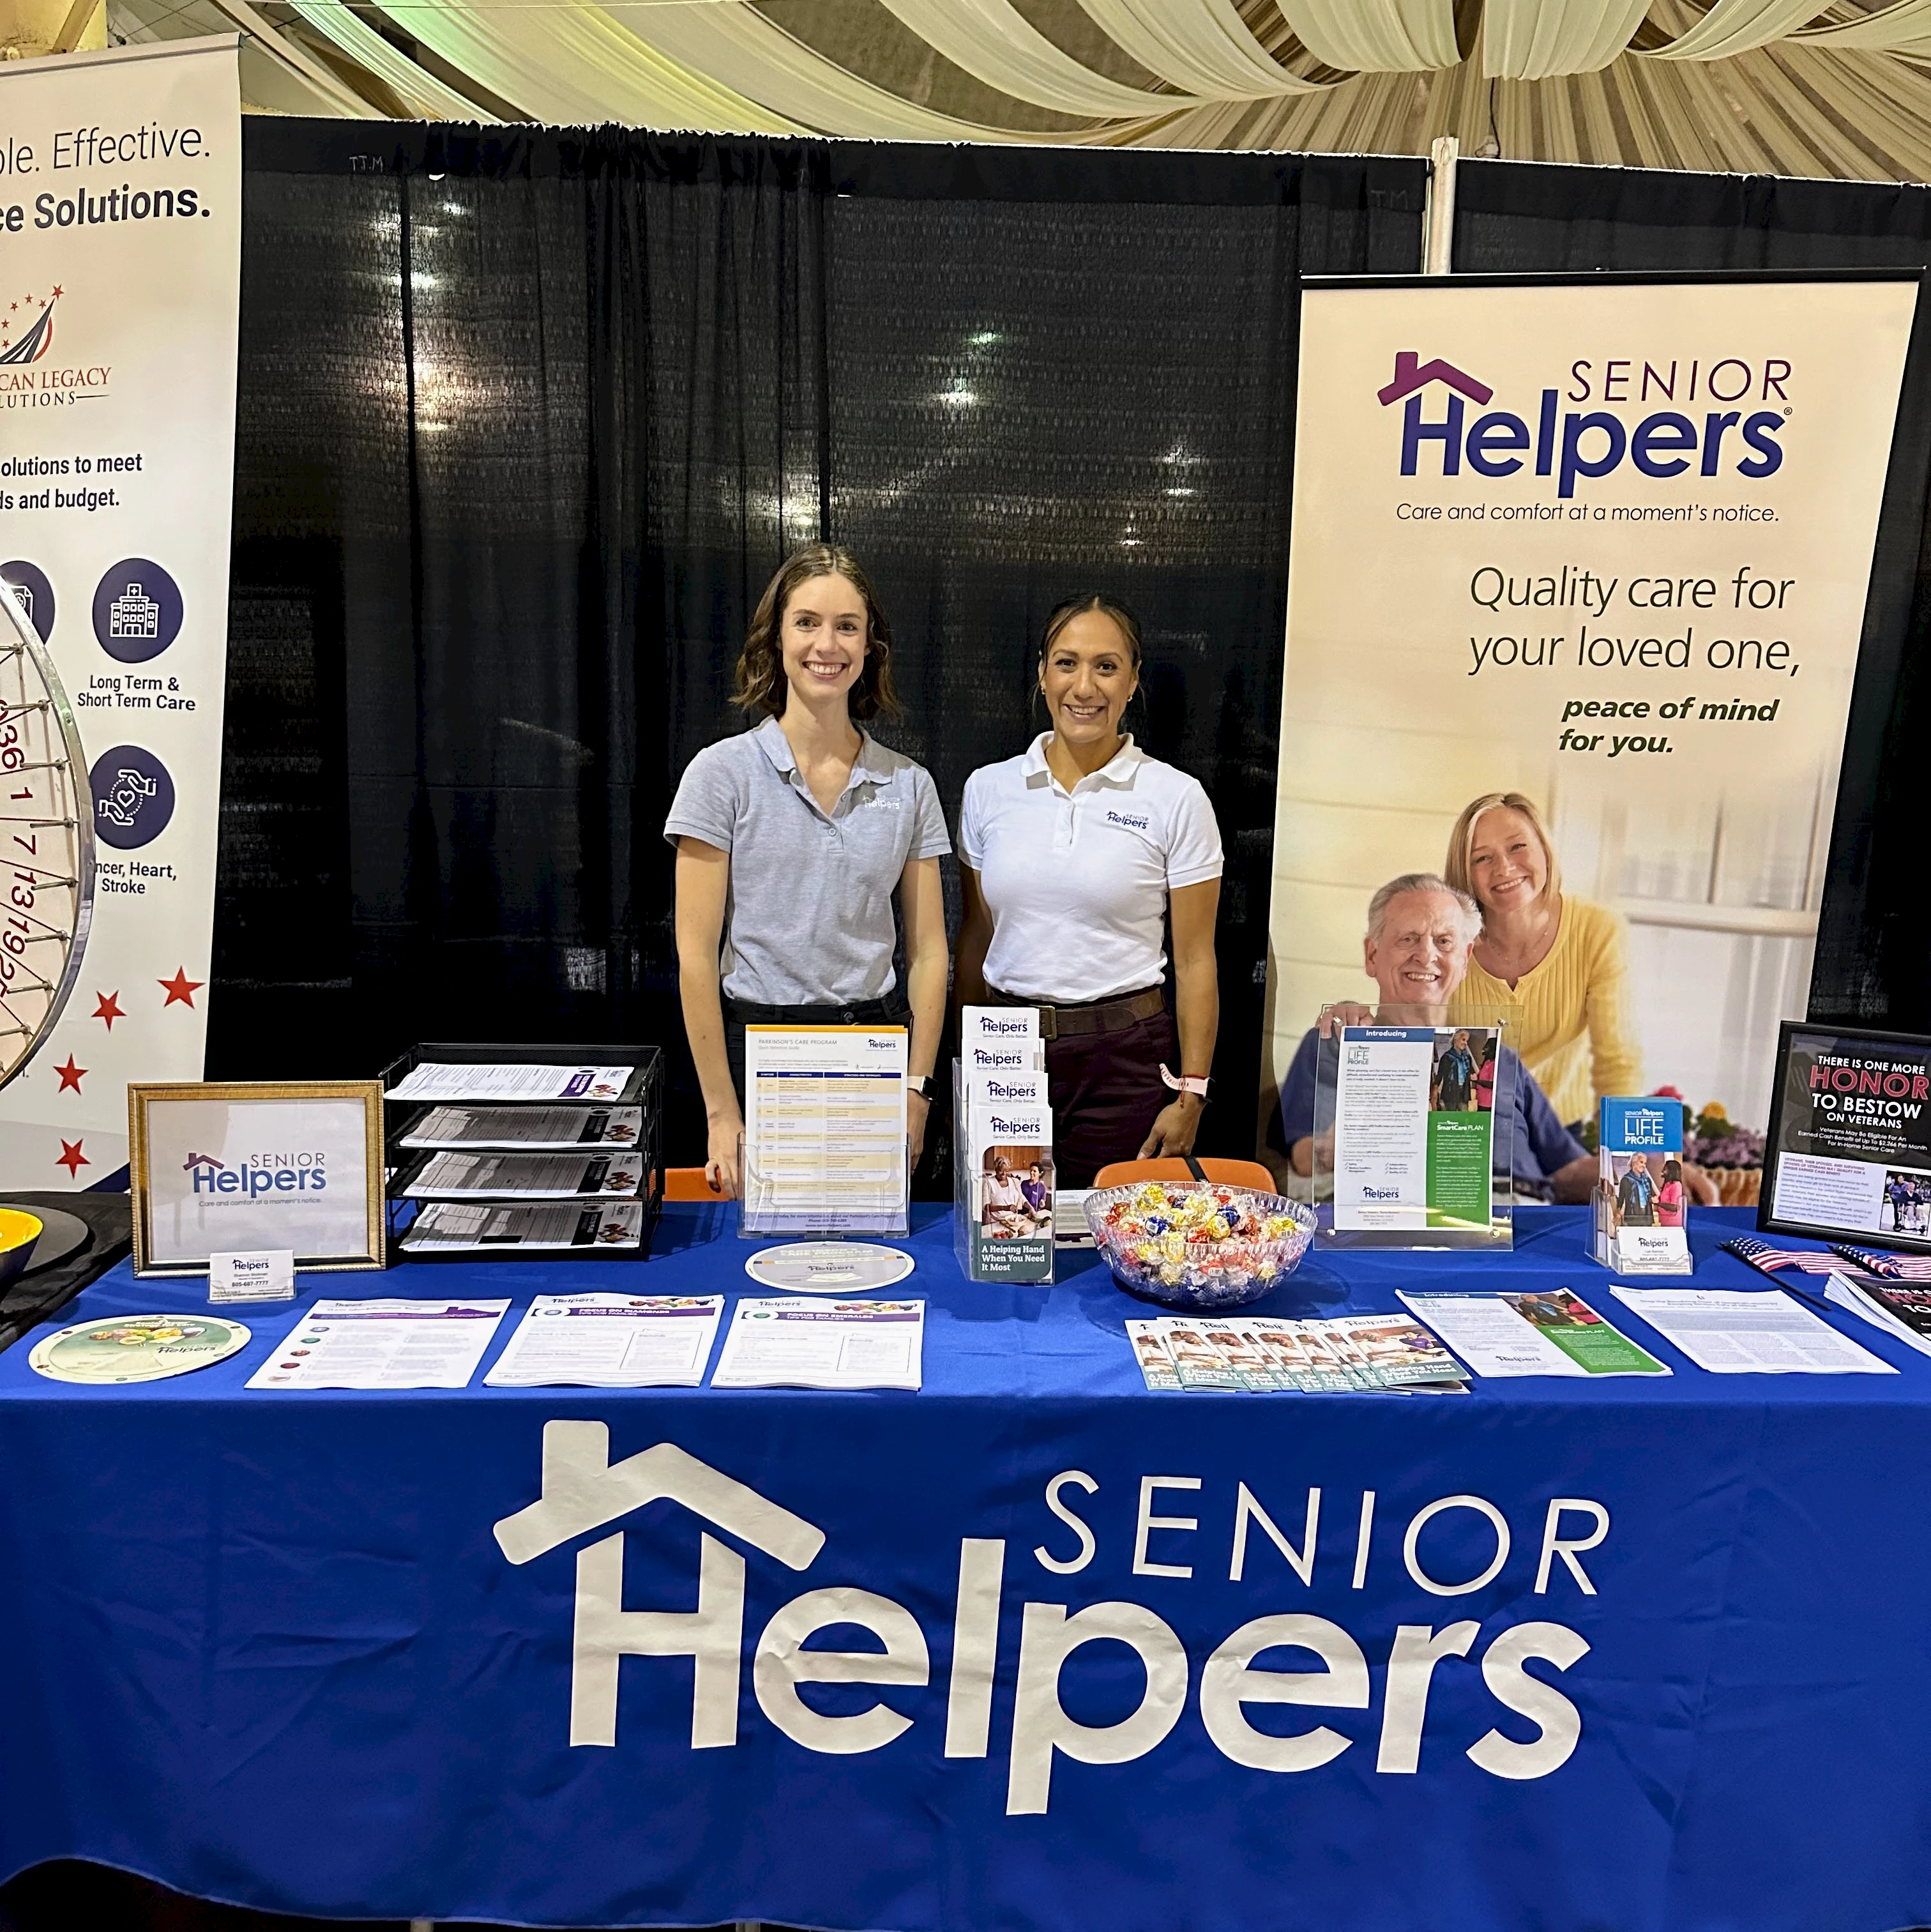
(1603, 546)
(120, 292)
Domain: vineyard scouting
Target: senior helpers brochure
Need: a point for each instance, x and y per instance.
(1412, 1140)
(1551, 1332)
(388, 1344)
(790, 1343)
(611, 1341)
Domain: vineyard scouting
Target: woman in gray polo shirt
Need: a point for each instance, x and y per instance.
(791, 839)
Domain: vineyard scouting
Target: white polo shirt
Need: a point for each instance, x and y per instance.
(1077, 881)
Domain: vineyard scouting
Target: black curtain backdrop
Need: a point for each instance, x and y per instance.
(527, 422)
(528, 418)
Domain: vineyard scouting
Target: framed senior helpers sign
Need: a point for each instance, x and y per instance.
(255, 1165)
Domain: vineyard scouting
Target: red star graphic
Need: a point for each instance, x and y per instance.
(72, 1158)
(56, 292)
(71, 1075)
(107, 1006)
(180, 988)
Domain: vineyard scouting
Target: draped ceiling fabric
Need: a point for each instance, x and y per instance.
(1788, 87)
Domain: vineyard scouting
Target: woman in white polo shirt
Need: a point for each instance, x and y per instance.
(1071, 858)
(791, 841)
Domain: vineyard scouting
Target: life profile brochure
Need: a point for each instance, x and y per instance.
(1848, 1152)
(1641, 1205)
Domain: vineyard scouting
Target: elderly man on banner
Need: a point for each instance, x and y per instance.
(1421, 933)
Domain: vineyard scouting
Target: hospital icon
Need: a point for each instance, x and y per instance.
(133, 614)
(137, 610)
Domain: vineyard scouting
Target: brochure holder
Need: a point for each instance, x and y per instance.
(1640, 1206)
(769, 1207)
(823, 1108)
(993, 1242)
(1414, 1117)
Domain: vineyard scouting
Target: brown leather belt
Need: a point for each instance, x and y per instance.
(1097, 1016)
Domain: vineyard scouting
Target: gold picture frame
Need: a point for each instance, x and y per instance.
(266, 1188)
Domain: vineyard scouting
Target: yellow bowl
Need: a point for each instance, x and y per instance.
(19, 1231)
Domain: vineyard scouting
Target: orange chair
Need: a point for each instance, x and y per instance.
(1228, 1173)
(687, 1183)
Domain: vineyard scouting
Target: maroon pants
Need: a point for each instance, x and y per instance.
(1105, 1089)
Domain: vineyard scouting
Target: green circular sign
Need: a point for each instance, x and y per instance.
(136, 1347)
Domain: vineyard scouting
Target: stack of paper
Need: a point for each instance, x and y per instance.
(1904, 1314)
(512, 1080)
(534, 1177)
(1313, 1358)
(611, 1341)
(383, 1345)
(445, 1228)
(528, 1128)
(788, 1343)
(1551, 1332)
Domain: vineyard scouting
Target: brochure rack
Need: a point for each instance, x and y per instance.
(1018, 1250)
(403, 1165)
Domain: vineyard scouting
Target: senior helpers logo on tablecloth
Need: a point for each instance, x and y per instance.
(583, 1493)
(1605, 547)
(120, 268)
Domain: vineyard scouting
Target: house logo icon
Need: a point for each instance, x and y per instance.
(207, 1160)
(1412, 373)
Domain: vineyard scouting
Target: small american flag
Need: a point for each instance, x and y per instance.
(1810, 1261)
(1889, 1268)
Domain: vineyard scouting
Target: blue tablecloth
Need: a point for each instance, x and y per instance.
(266, 1647)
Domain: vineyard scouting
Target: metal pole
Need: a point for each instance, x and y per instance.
(1438, 226)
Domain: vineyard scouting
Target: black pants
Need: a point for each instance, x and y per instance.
(1106, 1090)
(892, 1010)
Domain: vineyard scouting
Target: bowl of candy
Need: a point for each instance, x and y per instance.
(1198, 1244)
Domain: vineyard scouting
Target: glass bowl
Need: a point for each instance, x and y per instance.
(1169, 1241)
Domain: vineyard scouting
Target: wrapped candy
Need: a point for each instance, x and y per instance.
(1193, 1244)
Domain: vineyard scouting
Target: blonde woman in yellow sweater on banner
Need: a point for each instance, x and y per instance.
(1560, 962)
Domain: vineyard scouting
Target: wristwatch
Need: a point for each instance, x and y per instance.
(1186, 1083)
(921, 1084)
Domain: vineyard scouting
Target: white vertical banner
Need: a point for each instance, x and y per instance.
(1604, 545)
(120, 296)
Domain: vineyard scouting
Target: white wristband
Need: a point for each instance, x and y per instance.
(1186, 1083)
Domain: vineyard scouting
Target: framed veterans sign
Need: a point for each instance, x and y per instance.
(1848, 1152)
(253, 1166)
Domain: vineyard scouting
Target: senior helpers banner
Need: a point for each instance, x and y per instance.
(120, 290)
(1604, 546)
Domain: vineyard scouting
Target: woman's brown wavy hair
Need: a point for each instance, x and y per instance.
(760, 671)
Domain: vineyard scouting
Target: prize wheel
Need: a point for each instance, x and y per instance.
(47, 842)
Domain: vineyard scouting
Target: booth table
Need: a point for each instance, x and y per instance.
(265, 1647)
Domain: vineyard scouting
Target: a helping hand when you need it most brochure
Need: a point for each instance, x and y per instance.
(611, 1341)
(1549, 1332)
(784, 1342)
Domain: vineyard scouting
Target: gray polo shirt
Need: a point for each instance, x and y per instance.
(809, 921)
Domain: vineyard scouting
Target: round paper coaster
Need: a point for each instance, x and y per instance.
(136, 1347)
(828, 1268)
